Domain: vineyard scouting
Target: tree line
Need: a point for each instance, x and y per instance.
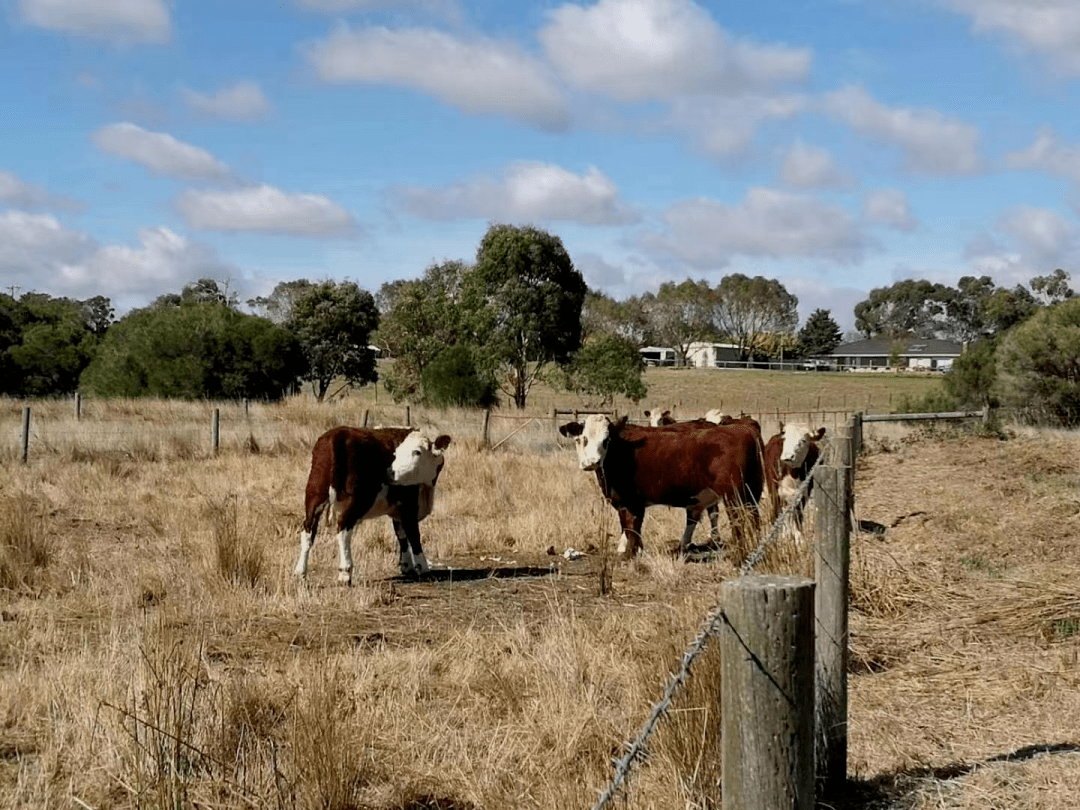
(487, 331)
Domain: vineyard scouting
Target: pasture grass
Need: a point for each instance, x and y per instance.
(156, 651)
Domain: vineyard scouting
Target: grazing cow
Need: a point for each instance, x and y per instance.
(638, 467)
(790, 455)
(361, 473)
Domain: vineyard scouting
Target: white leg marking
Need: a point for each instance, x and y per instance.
(344, 539)
(624, 542)
(406, 562)
(306, 539)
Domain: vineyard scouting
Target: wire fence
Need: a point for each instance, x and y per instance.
(202, 430)
(636, 749)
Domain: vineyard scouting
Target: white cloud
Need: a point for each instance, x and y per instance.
(771, 223)
(119, 21)
(1048, 154)
(933, 143)
(1049, 27)
(725, 127)
(17, 193)
(1026, 242)
(526, 191)
(32, 243)
(889, 207)
(264, 208)
(160, 153)
(599, 273)
(242, 101)
(162, 262)
(638, 50)
(810, 167)
(39, 253)
(477, 76)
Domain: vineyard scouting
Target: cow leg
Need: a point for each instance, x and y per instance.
(714, 523)
(630, 541)
(345, 564)
(693, 515)
(413, 560)
(307, 540)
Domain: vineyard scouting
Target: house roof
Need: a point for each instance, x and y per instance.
(909, 347)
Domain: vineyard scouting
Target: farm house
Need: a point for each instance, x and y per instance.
(916, 354)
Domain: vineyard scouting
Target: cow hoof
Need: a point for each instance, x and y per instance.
(345, 578)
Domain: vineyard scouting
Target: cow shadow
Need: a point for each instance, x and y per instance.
(899, 789)
(478, 574)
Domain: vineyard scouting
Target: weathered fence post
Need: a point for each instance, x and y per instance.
(832, 500)
(487, 423)
(555, 420)
(215, 430)
(408, 416)
(25, 437)
(246, 412)
(78, 407)
(367, 415)
(767, 693)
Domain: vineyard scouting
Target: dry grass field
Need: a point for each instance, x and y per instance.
(155, 650)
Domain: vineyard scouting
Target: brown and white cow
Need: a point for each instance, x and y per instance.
(638, 467)
(790, 457)
(717, 417)
(659, 419)
(362, 473)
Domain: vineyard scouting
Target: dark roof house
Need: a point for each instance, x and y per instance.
(917, 354)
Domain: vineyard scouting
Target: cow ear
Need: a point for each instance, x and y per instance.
(617, 426)
(571, 429)
(820, 433)
(442, 442)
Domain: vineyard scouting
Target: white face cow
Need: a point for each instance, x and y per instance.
(591, 439)
(797, 439)
(418, 459)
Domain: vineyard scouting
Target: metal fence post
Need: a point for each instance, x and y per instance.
(767, 693)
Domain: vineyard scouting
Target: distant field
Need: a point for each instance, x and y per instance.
(156, 430)
(692, 391)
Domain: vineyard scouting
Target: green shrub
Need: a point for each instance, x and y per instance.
(453, 379)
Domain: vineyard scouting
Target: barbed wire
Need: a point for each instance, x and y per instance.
(793, 503)
(636, 749)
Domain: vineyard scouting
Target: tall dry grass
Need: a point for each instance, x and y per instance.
(161, 654)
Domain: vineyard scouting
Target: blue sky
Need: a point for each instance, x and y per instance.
(836, 145)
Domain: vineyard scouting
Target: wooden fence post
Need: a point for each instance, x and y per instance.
(367, 414)
(487, 422)
(78, 407)
(832, 501)
(25, 437)
(767, 693)
(555, 420)
(408, 416)
(215, 430)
